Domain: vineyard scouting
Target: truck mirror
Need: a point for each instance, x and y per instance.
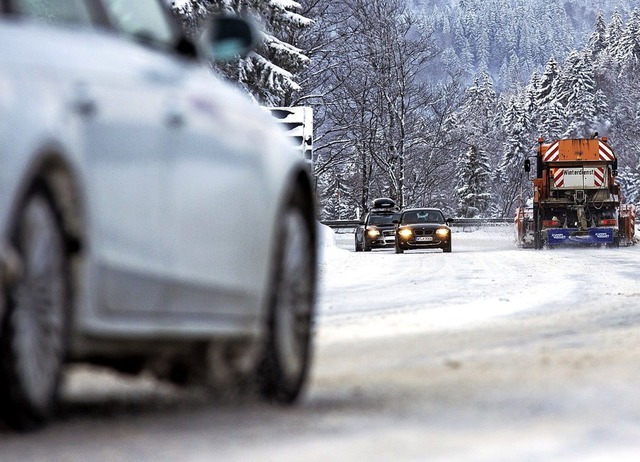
(527, 165)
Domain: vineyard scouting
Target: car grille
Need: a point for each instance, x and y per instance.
(389, 233)
(423, 232)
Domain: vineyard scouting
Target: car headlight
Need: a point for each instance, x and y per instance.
(442, 232)
(405, 232)
(373, 232)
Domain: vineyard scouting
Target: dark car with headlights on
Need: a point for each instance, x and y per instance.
(422, 229)
(377, 230)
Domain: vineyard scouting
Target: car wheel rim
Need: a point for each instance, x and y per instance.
(38, 300)
(293, 314)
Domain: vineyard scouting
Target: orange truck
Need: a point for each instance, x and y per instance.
(576, 199)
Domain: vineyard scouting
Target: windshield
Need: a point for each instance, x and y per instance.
(382, 219)
(68, 12)
(143, 19)
(422, 216)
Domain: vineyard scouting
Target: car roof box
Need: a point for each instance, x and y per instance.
(383, 203)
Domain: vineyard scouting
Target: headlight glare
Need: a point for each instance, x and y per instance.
(405, 232)
(442, 232)
(373, 232)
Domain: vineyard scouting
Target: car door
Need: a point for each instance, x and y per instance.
(128, 173)
(116, 92)
(219, 205)
(138, 230)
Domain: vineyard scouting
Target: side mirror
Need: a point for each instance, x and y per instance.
(448, 221)
(527, 165)
(229, 37)
(396, 221)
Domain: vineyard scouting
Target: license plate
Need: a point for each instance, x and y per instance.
(424, 238)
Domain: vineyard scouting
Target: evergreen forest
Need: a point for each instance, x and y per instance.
(438, 103)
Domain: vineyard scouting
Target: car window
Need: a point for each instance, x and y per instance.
(381, 219)
(434, 216)
(423, 216)
(67, 11)
(144, 20)
(409, 217)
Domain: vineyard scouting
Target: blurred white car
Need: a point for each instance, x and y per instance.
(152, 217)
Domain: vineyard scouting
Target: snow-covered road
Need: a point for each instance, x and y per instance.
(490, 353)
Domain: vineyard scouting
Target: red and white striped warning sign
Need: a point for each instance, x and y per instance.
(605, 152)
(553, 153)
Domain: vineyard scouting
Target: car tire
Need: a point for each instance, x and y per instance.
(34, 330)
(366, 246)
(447, 248)
(283, 368)
(399, 249)
(358, 246)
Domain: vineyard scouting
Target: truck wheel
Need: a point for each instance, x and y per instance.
(282, 371)
(34, 330)
(615, 243)
(537, 238)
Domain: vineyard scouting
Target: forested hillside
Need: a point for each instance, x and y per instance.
(438, 102)
(510, 39)
(466, 142)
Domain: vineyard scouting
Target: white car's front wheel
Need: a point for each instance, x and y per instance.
(283, 369)
(33, 332)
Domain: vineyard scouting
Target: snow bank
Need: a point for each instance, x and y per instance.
(327, 245)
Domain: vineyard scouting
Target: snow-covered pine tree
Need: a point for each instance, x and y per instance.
(577, 93)
(629, 179)
(517, 147)
(628, 52)
(478, 111)
(547, 84)
(269, 73)
(615, 36)
(336, 194)
(532, 102)
(472, 190)
(598, 39)
(553, 121)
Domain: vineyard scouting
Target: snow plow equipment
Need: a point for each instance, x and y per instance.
(576, 199)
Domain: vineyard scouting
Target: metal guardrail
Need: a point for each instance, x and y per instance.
(339, 224)
(457, 222)
(481, 221)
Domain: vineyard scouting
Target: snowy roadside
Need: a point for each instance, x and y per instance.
(428, 290)
(490, 353)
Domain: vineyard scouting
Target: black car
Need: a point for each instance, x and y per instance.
(422, 229)
(377, 230)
